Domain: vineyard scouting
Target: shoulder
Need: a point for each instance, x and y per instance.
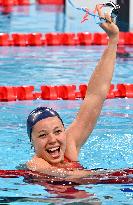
(37, 164)
(71, 147)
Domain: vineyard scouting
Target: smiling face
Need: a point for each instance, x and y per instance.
(49, 140)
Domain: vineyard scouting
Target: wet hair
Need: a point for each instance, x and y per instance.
(38, 114)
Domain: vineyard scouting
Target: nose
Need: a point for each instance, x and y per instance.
(51, 138)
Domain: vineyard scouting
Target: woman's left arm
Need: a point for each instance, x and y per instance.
(97, 89)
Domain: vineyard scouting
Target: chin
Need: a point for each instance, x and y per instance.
(56, 161)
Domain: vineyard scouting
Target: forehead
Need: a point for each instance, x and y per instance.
(48, 123)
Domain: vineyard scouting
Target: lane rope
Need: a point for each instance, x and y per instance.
(99, 177)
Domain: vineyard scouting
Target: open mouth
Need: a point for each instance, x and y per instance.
(54, 152)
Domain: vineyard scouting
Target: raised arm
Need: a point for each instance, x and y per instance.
(97, 89)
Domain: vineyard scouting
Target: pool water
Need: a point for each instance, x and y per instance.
(110, 145)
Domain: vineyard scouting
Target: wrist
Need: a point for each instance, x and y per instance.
(113, 40)
(112, 44)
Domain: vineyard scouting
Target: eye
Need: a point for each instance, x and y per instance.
(57, 132)
(42, 135)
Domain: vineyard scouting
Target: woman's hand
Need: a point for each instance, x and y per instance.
(109, 26)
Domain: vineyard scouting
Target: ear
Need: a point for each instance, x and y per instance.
(32, 145)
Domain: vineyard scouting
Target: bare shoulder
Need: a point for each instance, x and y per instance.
(37, 164)
(71, 147)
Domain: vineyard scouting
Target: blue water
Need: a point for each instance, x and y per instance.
(110, 146)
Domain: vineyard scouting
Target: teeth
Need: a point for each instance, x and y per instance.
(53, 149)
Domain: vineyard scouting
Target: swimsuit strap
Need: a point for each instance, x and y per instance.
(74, 164)
(66, 159)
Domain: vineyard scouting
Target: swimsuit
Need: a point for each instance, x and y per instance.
(71, 165)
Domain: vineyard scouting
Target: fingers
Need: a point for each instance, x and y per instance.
(98, 8)
(107, 24)
(104, 16)
(108, 18)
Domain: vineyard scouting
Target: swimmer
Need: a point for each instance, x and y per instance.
(56, 148)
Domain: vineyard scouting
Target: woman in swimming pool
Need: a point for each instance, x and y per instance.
(57, 148)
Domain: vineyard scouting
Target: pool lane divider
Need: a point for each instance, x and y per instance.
(56, 2)
(123, 176)
(60, 92)
(59, 39)
(27, 2)
(8, 3)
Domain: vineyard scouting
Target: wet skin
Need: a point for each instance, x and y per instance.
(49, 140)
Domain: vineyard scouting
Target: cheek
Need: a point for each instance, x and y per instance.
(62, 138)
(38, 144)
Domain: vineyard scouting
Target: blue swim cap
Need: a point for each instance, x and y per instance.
(38, 114)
